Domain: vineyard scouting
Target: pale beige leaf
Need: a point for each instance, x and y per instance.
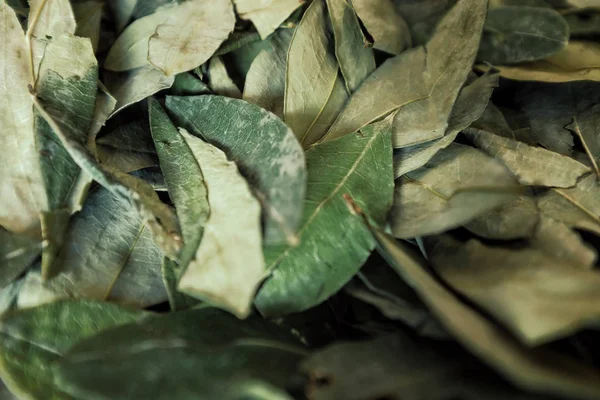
(48, 19)
(192, 33)
(515, 284)
(22, 194)
(229, 263)
(266, 15)
(534, 166)
(220, 82)
(389, 30)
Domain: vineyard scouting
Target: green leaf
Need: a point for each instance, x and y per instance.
(171, 271)
(190, 35)
(355, 59)
(401, 366)
(311, 76)
(387, 27)
(17, 253)
(109, 254)
(135, 85)
(426, 101)
(513, 285)
(583, 23)
(515, 34)
(333, 244)
(265, 82)
(470, 104)
(266, 16)
(186, 84)
(202, 353)
(264, 148)
(88, 15)
(532, 166)
(122, 11)
(31, 340)
(537, 370)
(448, 192)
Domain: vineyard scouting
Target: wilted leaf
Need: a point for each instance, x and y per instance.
(533, 166)
(583, 22)
(586, 126)
(457, 185)
(204, 353)
(333, 244)
(355, 58)
(513, 285)
(265, 82)
(264, 148)
(32, 339)
(387, 27)
(88, 15)
(470, 105)
(96, 266)
(312, 72)
(266, 15)
(187, 84)
(515, 34)
(537, 370)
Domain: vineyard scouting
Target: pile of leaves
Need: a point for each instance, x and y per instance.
(328, 199)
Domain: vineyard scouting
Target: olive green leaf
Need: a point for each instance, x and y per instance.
(229, 264)
(577, 207)
(516, 219)
(265, 81)
(514, 284)
(96, 266)
(562, 243)
(22, 194)
(470, 105)
(458, 184)
(203, 353)
(32, 339)
(190, 35)
(400, 365)
(311, 76)
(531, 165)
(105, 105)
(127, 148)
(219, 79)
(583, 23)
(423, 99)
(17, 253)
(355, 59)
(88, 15)
(537, 370)
(493, 120)
(422, 17)
(333, 243)
(586, 126)
(122, 12)
(135, 85)
(515, 34)
(387, 27)
(264, 149)
(187, 84)
(266, 16)
(447, 68)
(171, 271)
(47, 20)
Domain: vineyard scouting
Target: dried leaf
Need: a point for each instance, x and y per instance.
(17, 253)
(387, 27)
(88, 15)
(220, 82)
(266, 15)
(586, 126)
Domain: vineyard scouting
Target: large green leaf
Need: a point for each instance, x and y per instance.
(31, 340)
(333, 244)
(513, 285)
(96, 266)
(311, 76)
(355, 59)
(448, 192)
(201, 354)
(536, 370)
(264, 148)
(515, 34)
